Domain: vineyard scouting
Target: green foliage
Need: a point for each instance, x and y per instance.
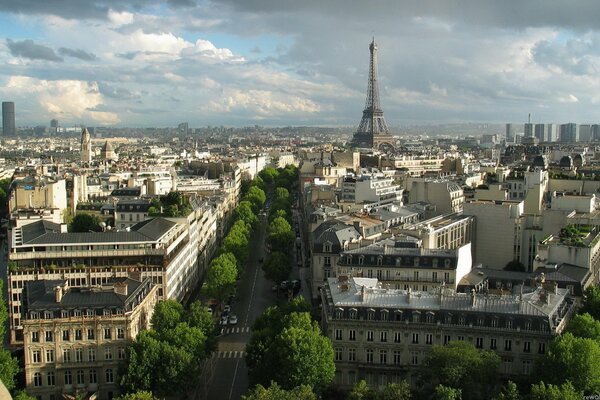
(141, 395)
(244, 212)
(287, 347)
(9, 367)
(173, 205)
(591, 302)
(280, 235)
(84, 222)
(460, 365)
(221, 276)
(4, 190)
(509, 392)
(276, 392)
(166, 359)
(278, 267)
(585, 326)
(574, 235)
(362, 391)
(396, 391)
(573, 359)
(22, 395)
(515, 265)
(257, 197)
(268, 175)
(442, 392)
(566, 391)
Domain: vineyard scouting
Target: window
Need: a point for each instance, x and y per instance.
(428, 338)
(65, 335)
(383, 336)
(369, 336)
(120, 333)
(446, 339)
(370, 314)
(327, 248)
(460, 338)
(49, 336)
(493, 344)
(79, 355)
(416, 316)
(37, 379)
(526, 367)
(35, 337)
(49, 356)
(526, 347)
(122, 354)
(542, 348)
(369, 354)
(507, 365)
(93, 376)
(351, 354)
(351, 334)
(78, 335)
(67, 355)
(109, 376)
(90, 334)
(107, 333)
(338, 334)
(384, 315)
(338, 354)
(352, 313)
(92, 355)
(398, 315)
(509, 323)
(507, 344)
(80, 378)
(480, 321)
(528, 325)
(462, 320)
(50, 379)
(397, 336)
(479, 343)
(361, 260)
(36, 357)
(414, 357)
(494, 323)
(415, 338)
(108, 354)
(397, 357)
(68, 378)
(430, 317)
(382, 356)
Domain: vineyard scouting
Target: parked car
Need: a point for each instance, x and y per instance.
(224, 319)
(233, 320)
(227, 309)
(284, 285)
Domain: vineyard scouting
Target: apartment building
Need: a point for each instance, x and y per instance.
(383, 335)
(75, 338)
(371, 189)
(130, 212)
(446, 196)
(446, 231)
(38, 192)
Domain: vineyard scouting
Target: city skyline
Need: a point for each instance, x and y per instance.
(156, 63)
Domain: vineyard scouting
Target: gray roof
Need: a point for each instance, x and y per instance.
(390, 247)
(334, 232)
(37, 229)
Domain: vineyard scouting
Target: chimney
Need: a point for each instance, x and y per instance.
(58, 294)
(121, 288)
(472, 297)
(408, 294)
(362, 294)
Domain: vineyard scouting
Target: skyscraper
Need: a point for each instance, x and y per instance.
(8, 119)
(510, 133)
(540, 132)
(551, 133)
(372, 131)
(53, 126)
(569, 133)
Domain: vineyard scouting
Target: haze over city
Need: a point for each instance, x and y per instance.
(157, 63)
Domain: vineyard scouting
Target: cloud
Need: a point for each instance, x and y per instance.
(77, 53)
(29, 49)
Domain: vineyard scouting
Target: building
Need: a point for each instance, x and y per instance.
(371, 189)
(9, 127)
(446, 231)
(528, 130)
(382, 335)
(86, 146)
(551, 132)
(372, 131)
(585, 133)
(130, 212)
(569, 133)
(510, 133)
(75, 338)
(540, 132)
(38, 192)
(107, 153)
(446, 196)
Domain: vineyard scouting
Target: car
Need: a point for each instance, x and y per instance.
(209, 310)
(284, 284)
(224, 319)
(227, 309)
(233, 320)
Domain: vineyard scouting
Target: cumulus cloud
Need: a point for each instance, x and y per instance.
(29, 49)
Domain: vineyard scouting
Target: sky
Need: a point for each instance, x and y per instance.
(139, 63)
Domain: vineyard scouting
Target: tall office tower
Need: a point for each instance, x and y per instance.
(585, 133)
(551, 133)
(540, 132)
(528, 129)
(53, 126)
(569, 133)
(595, 132)
(372, 131)
(510, 133)
(8, 119)
(86, 146)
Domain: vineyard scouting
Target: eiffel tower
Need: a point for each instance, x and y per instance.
(372, 131)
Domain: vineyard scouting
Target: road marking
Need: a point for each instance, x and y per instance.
(237, 364)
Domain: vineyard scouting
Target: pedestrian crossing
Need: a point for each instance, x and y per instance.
(231, 354)
(237, 329)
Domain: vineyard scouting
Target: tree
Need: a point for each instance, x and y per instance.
(141, 395)
(9, 367)
(199, 317)
(167, 314)
(573, 359)
(460, 365)
(221, 276)
(269, 175)
(244, 212)
(442, 392)
(84, 222)
(280, 235)
(282, 194)
(509, 392)
(361, 391)
(277, 268)
(22, 395)
(396, 391)
(591, 302)
(276, 392)
(566, 391)
(585, 326)
(257, 197)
